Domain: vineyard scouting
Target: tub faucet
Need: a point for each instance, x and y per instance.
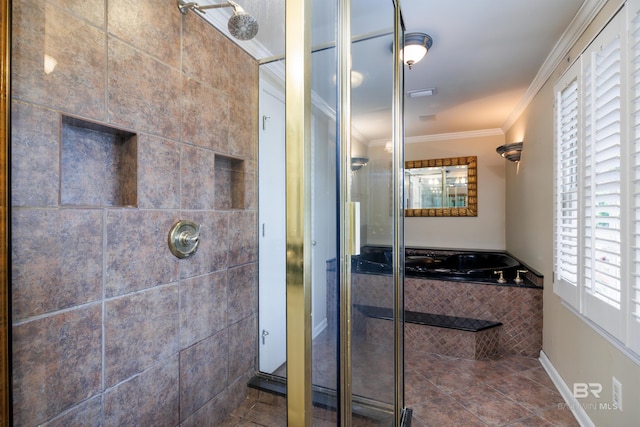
(519, 279)
(501, 279)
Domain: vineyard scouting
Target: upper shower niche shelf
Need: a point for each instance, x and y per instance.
(98, 165)
(229, 183)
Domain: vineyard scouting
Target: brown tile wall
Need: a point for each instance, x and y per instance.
(451, 342)
(518, 308)
(109, 328)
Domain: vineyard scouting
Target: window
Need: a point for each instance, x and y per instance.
(634, 190)
(597, 181)
(601, 174)
(566, 191)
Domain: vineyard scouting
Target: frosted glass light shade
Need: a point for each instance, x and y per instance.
(416, 46)
(412, 54)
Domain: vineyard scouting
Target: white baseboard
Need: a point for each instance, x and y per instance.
(566, 393)
(321, 327)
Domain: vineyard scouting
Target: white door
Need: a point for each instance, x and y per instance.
(272, 231)
(323, 214)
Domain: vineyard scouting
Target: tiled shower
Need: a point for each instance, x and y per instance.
(141, 117)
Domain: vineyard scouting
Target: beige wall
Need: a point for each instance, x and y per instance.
(487, 230)
(577, 352)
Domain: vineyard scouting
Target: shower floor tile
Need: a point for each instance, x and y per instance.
(442, 391)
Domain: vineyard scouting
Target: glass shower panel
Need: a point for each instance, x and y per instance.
(370, 187)
(272, 221)
(324, 234)
(372, 182)
(371, 275)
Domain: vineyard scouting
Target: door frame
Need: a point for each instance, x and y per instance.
(298, 209)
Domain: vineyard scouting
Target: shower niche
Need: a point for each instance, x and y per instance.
(229, 183)
(98, 165)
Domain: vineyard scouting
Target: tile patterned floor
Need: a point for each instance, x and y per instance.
(510, 391)
(443, 391)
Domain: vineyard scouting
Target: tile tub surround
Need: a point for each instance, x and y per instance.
(518, 306)
(519, 309)
(521, 330)
(109, 328)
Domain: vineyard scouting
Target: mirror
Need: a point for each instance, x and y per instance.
(441, 187)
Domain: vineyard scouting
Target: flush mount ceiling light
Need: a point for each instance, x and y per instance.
(416, 46)
(510, 151)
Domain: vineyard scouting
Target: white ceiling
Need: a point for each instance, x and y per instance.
(485, 56)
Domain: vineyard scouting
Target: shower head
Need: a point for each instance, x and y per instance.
(241, 25)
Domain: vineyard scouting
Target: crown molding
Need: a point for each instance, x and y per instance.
(443, 137)
(586, 14)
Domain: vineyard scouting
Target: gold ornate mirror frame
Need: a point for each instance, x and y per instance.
(472, 186)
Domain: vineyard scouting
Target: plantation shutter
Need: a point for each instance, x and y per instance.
(597, 182)
(566, 206)
(602, 179)
(634, 288)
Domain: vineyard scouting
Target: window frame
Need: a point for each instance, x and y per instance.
(619, 325)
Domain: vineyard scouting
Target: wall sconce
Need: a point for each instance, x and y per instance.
(358, 163)
(416, 46)
(511, 151)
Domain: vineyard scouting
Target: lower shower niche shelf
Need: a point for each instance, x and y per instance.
(453, 336)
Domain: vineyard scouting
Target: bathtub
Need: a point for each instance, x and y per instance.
(440, 264)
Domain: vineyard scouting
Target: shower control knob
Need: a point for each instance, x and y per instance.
(184, 238)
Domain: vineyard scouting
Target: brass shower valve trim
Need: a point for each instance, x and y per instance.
(184, 238)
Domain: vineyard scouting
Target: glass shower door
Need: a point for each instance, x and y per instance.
(370, 221)
(343, 211)
(375, 184)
